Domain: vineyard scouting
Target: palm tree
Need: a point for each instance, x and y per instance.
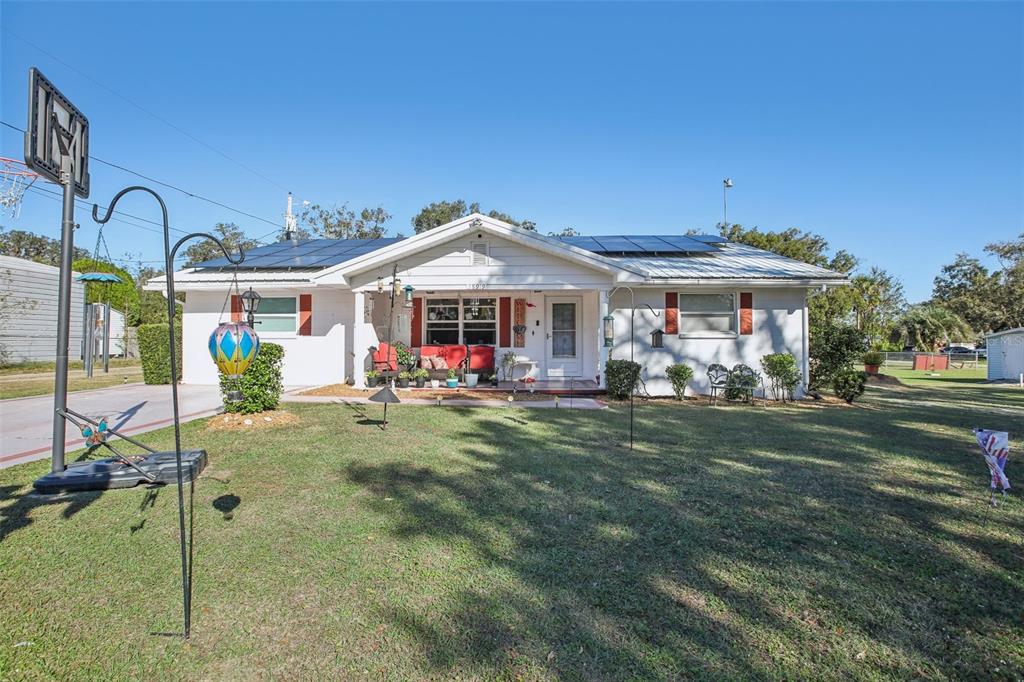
(928, 325)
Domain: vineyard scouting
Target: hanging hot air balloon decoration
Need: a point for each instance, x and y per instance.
(234, 345)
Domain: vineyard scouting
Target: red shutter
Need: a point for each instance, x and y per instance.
(236, 308)
(505, 321)
(417, 322)
(305, 314)
(671, 312)
(746, 313)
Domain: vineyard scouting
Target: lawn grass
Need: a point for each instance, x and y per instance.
(738, 542)
(37, 378)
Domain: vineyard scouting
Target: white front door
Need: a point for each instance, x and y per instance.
(562, 341)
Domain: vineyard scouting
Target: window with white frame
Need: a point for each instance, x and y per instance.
(713, 314)
(471, 321)
(277, 314)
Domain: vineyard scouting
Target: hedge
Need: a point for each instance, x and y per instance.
(261, 383)
(679, 375)
(621, 377)
(153, 350)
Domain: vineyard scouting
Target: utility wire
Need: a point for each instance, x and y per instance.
(146, 111)
(168, 185)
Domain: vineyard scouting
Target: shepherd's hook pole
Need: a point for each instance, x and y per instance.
(169, 252)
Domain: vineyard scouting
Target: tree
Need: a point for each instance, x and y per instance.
(1010, 294)
(566, 232)
(341, 222)
(878, 301)
(440, 213)
(928, 326)
(122, 296)
(232, 237)
(34, 247)
(968, 289)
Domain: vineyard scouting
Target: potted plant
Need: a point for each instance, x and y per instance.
(508, 364)
(873, 359)
(420, 375)
(494, 380)
(403, 379)
(373, 377)
(471, 378)
(404, 356)
(452, 381)
(435, 383)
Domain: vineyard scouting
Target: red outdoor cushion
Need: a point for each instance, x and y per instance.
(385, 358)
(455, 355)
(481, 358)
(431, 351)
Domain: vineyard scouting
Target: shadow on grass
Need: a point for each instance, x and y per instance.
(724, 536)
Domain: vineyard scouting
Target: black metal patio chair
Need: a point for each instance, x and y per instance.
(718, 378)
(747, 380)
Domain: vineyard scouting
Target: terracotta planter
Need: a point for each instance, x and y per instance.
(871, 369)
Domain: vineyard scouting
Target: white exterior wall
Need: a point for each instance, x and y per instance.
(1006, 356)
(308, 360)
(778, 328)
(28, 292)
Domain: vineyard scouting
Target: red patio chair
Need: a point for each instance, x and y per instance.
(385, 358)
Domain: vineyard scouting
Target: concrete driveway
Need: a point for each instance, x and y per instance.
(25, 423)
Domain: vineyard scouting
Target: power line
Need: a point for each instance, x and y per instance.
(167, 184)
(86, 204)
(147, 111)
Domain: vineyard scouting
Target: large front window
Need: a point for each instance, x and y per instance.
(707, 314)
(276, 314)
(472, 321)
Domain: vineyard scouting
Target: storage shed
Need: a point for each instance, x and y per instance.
(1006, 354)
(28, 311)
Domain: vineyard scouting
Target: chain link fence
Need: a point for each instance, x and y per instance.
(974, 360)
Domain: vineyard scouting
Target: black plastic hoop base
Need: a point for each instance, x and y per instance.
(111, 473)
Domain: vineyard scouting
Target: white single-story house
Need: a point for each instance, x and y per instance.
(1005, 354)
(477, 280)
(28, 311)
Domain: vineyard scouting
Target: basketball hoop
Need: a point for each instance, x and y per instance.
(15, 178)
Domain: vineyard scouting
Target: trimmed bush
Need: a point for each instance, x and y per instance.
(260, 384)
(782, 373)
(621, 377)
(154, 350)
(739, 386)
(849, 384)
(679, 375)
(834, 349)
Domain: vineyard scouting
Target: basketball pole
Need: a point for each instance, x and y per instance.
(67, 248)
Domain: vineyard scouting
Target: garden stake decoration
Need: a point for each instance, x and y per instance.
(995, 447)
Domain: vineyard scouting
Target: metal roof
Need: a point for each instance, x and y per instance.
(311, 253)
(729, 261)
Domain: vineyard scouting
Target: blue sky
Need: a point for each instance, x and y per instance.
(895, 130)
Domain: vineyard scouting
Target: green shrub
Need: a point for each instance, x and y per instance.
(849, 384)
(679, 375)
(834, 349)
(621, 378)
(782, 373)
(873, 357)
(404, 356)
(739, 386)
(154, 351)
(260, 384)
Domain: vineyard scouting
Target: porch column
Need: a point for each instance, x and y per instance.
(359, 340)
(602, 352)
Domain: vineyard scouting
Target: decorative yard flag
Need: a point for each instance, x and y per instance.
(995, 445)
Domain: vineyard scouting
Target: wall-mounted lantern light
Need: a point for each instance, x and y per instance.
(380, 284)
(609, 331)
(250, 304)
(657, 339)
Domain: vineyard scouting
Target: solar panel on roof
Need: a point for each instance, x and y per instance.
(688, 245)
(709, 238)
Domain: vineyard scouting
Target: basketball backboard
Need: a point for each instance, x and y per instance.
(57, 131)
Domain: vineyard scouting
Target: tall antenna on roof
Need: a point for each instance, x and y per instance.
(289, 223)
(726, 186)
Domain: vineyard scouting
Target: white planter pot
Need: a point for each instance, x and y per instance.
(435, 383)
(471, 380)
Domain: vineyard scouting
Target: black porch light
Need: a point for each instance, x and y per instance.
(609, 331)
(250, 305)
(657, 339)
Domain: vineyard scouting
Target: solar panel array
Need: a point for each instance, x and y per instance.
(646, 244)
(312, 253)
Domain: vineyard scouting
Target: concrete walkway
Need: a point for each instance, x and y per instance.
(26, 426)
(563, 402)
